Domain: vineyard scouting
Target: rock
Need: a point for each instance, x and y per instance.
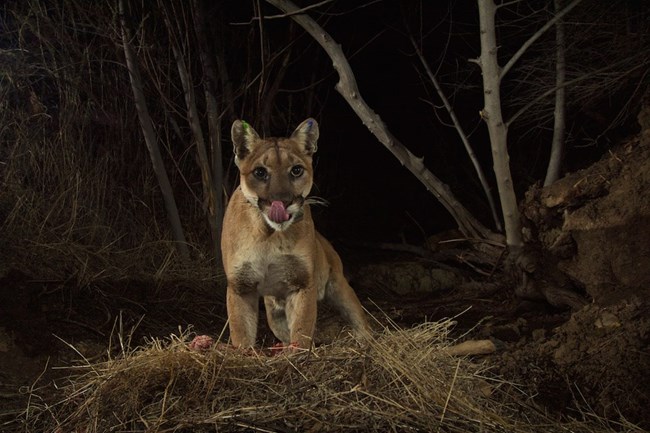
(404, 278)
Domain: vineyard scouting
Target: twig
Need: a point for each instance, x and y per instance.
(451, 388)
(570, 83)
(559, 113)
(520, 52)
(463, 137)
(82, 325)
(151, 138)
(472, 347)
(285, 15)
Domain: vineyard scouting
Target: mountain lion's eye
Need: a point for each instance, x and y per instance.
(261, 173)
(297, 170)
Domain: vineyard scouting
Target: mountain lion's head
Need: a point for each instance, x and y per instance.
(276, 174)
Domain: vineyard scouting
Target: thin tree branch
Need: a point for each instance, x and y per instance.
(213, 119)
(506, 4)
(463, 137)
(520, 52)
(569, 83)
(210, 195)
(151, 138)
(287, 15)
(559, 113)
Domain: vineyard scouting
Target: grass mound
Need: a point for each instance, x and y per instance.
(403, 380)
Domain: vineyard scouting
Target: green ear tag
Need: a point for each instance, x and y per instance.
(245, 126)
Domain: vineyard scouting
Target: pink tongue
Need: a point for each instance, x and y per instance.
(278, 214)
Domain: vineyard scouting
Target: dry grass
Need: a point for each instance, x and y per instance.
(64, 231)
(401, 381)
(79, 202)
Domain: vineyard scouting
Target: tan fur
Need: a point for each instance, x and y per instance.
(287, 262)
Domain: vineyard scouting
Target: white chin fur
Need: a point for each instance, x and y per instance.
(278, 226)
(291, 210)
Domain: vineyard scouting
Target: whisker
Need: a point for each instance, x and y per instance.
(318, 201)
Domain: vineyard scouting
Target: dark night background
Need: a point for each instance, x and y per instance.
(372, 197)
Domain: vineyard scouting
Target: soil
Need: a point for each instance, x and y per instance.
(594, 224)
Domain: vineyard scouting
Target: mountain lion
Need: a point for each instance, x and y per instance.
(270, 246)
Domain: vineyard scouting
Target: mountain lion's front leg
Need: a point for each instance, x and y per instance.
(243, 309)
(301, 309)
(277, 318)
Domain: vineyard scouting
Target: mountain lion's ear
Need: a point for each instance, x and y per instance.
(307, 135)
(243, 137)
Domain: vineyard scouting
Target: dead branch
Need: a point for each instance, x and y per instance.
(609, 68)
(463, 137)
(472, 347)
(210, 196)
(520, 52)
(151, 139)
(214, 120)
(559, 115)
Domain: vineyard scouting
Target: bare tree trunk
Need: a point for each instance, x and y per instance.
(463, 137)
(151, 139)
(214, 119)
(210, 196)
(527, 263)
(347, 87)
(498, 131)
(559, 119)
(491, 113)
